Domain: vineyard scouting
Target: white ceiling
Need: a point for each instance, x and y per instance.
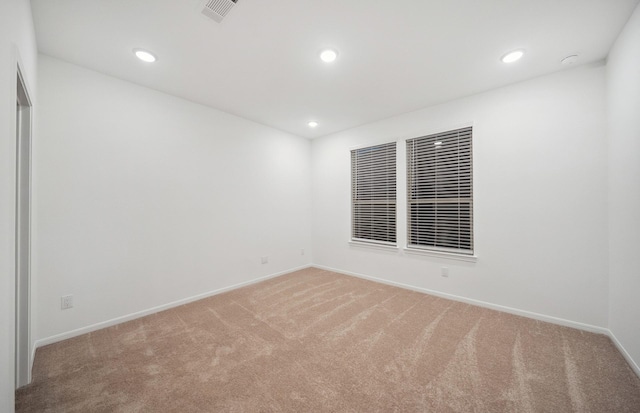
(261, 62)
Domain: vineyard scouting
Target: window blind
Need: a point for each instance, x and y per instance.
(373, 194)
(440, 191)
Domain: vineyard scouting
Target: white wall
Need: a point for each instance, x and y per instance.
(623, 106)
(17, 42)
(540, 176)
(144, 199)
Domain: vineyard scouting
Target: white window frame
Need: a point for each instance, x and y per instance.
(465, 254)
(386, 192)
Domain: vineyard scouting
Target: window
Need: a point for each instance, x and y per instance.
(440, 192)
(373, 194)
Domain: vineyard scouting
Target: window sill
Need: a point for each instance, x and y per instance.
(390, 248)
(441, 254)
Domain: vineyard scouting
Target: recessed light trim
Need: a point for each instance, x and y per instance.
(512, 56)
(145, 55)
(312, 124)
(328, 55)
(569, 60)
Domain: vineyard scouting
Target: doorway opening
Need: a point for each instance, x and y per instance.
(23, 233)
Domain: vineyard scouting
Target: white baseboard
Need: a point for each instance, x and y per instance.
(625, 354)
(31, 360)
(83, 330)
(510, 310)
(529, 314)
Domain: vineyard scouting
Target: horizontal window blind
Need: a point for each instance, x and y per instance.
(440, 191)
(373, 194)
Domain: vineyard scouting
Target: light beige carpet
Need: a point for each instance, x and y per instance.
(316, 341)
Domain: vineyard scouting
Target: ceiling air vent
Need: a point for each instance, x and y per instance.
(217, 9)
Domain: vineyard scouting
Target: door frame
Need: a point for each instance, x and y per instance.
(23, 182)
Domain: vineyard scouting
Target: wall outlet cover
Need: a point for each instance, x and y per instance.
(66, 302)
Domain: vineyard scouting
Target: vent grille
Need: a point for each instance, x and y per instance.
(217, 9)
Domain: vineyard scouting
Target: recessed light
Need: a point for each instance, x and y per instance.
(512, 56)
(144, 55)
(328, 55)
(312, 124)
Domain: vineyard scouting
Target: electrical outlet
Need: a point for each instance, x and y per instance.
(444, 271)
(265, 259)
(302, 251)
(66, 302)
